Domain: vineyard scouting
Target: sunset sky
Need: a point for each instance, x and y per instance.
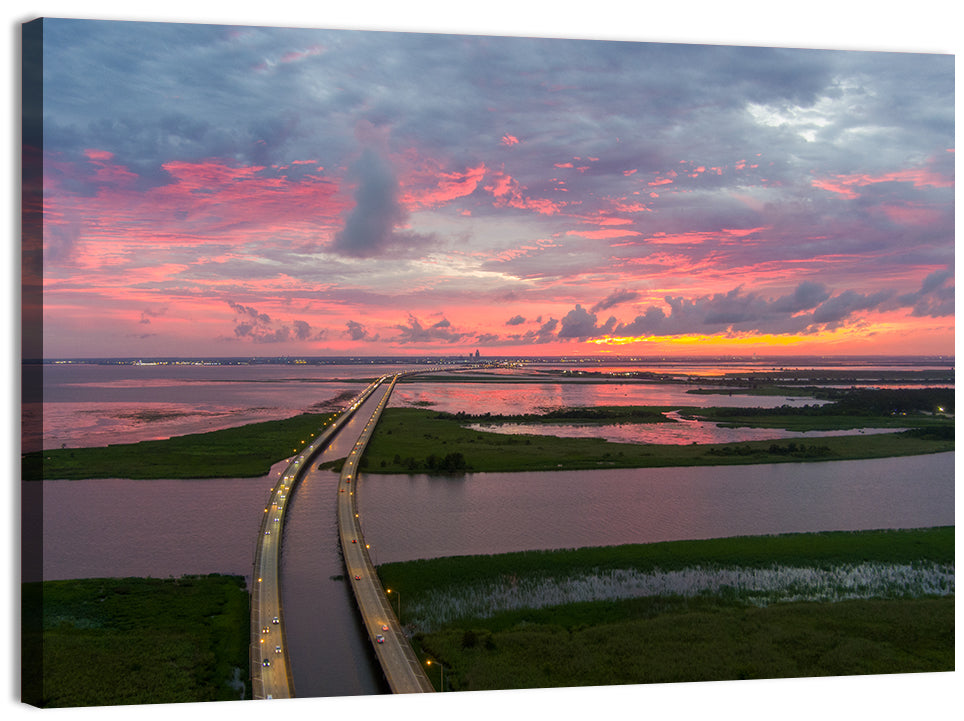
(254, 191)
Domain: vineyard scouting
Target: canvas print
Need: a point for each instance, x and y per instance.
(365, 363)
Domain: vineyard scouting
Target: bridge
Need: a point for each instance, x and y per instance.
(401, 667)
(270, 667)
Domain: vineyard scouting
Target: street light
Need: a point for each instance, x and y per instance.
(441, 673)
(388, 590)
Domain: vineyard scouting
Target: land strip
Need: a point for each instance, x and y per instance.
(241, 452)
(410, 440)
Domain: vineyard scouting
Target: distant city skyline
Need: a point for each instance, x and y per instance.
(232, 191)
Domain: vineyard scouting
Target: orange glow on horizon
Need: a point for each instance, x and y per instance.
(699, 339)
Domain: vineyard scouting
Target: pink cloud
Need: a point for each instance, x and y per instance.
(107, 173)
(624, 207)
(721, 237)
(449, 187)
(501, 186)
(846, 185)
(509, 193)
(206, 201)
(509, 140)
(910, 214)
(603, 234)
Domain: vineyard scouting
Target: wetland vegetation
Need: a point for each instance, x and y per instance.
(110, 641)
(409, 440)
(242, 452)
(751, 607)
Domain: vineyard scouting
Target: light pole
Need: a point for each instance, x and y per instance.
(441, 674)
(388, 590)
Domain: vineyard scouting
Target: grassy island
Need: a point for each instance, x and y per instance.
(410, 440)
(752, 607)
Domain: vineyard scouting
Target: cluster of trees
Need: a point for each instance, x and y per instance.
(859, 402)
(791, 449)
(888, 401)
(449, 463)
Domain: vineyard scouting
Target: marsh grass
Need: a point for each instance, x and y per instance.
(755, 586)
(748, 607)
(699, 640)
(115, 641)
(242, 452)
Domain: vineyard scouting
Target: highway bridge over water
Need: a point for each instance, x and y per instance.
(270, 665)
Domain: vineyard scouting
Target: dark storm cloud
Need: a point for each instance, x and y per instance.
(615, 298)
(356, 331)
(544, 334)
(415, 332)
(837, 309)
(580, 323)
(935, 298)
(737, 310)
(257, 327)
(149, 313)
(370, 229)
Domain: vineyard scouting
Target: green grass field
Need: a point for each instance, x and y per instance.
(242, 452)
(703, 635)
(137, 640)
(410, 440)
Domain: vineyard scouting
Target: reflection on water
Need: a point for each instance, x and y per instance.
(94, 405)
(516, 398)
(409, 517)
(120, 527)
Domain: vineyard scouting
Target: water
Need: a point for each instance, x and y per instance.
(94, 405)
(91, 405)
(538, 396)
(329, 650)
(120, 527)
(419, 516)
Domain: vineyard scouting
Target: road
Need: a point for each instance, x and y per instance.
(270, 671)
(401, 667)
(270, 667)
